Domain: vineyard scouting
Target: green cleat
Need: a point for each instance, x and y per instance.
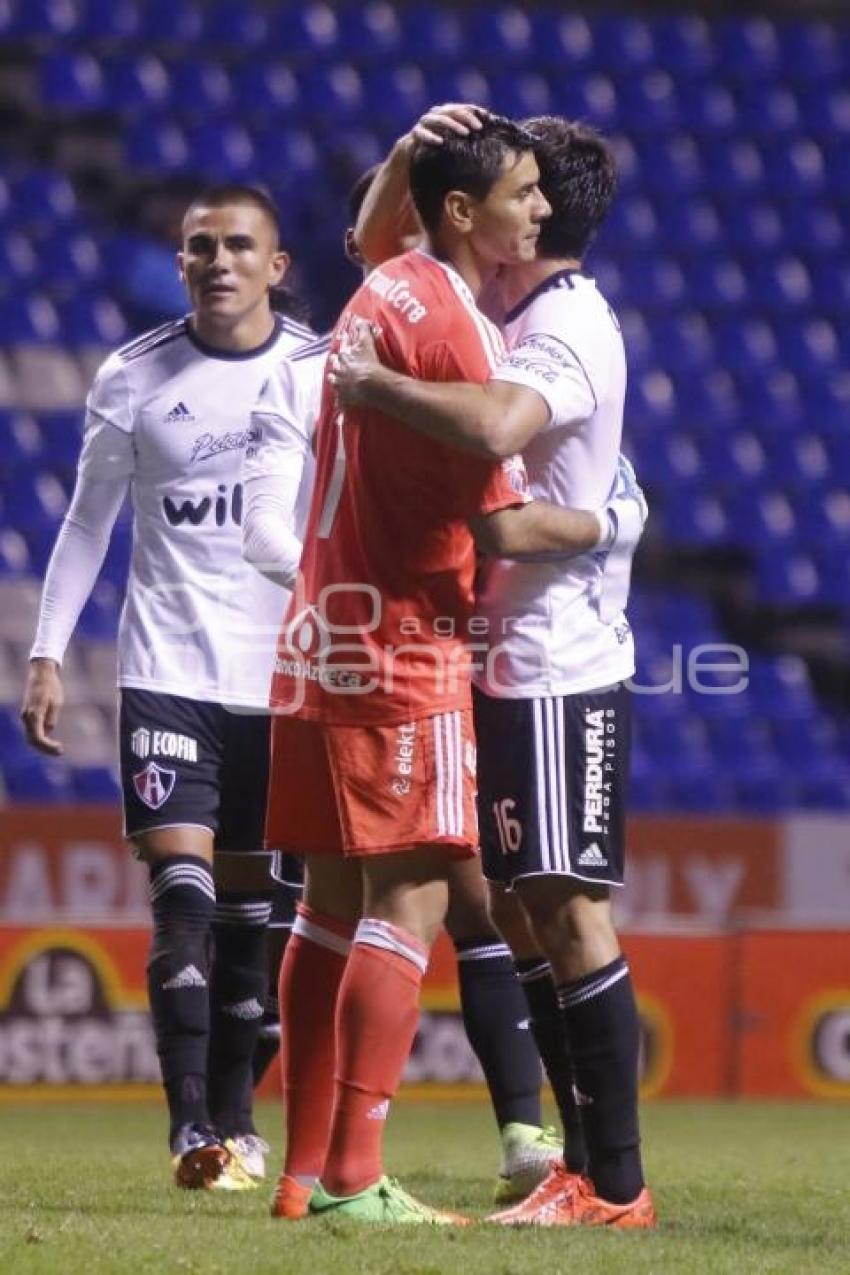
(528, 1152)
(386, 1203)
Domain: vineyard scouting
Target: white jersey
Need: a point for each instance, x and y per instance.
(545, 633)
(171, 417)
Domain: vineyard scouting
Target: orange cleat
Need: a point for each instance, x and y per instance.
(566, 1199)
(291, 1199)
(552, 1192)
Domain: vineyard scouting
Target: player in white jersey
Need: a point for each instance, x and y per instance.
(167, 419)
(552, 713)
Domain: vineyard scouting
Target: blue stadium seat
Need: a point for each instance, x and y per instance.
(458, 84)
(811, 51)
(200, 89)
(834, 565)
(788, 579)
(38, 779)
(772, 398)
(371, 32)
(591, 97)
(156, 145)
(93, 319)
(266, 91)
(521, 94)
(15, 557)
(671, 166)
(737, 457)
(69, 259)
(623, 44)
(71, 81)
(649, 103)
(21, 442)
(41, 20)
(711, 399)
(18, 260)
(752, 226)
(654, 282)
(651, 397)
(684, 45)
(41, 197)
(691, 225)
(684, 342)
(33, 320)
(633, 224)
(563, 42)
(732, 166)
(170, 23)
(813, 229)
(99, 618)
(746, 344)
(768, 110)
(229, 26)
(672, 461)
(288, 156)
(333, 93)
(103, 22)
(501, 36)
(831, 281)
(830, 790)
(761, 788)
(824, 515)
(221, 152)
(747, 48)
(696, 521)
(305, 30)
(780, 688)
(716, 283)
(811, 347)
(136, 82)
(431, 36)
(826, 110)
(707, 108)
(62, 435)
(765, 520)
(395, 93)
(795, 168)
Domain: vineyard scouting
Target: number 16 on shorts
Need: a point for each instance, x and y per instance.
(508, 827)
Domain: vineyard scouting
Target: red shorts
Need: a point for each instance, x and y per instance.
(360, 790)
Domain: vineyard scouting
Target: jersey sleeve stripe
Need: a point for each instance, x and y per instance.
(152, 340)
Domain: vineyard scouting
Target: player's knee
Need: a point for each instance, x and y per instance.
(183, 903)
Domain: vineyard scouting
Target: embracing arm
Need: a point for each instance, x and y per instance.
(496, 419)
(539, 530)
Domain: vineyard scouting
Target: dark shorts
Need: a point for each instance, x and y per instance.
(552, 785)
(188, 762)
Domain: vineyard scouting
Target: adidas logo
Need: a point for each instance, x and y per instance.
(246, 1010)
(581, 1099)
(379, 1111)
(189, 976)
(592, 857)
(179, 412)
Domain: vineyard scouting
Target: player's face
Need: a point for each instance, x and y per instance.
(507, 221)
(230, 260)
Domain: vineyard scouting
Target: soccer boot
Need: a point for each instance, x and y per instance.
(291, 1200)
(200, 1159)
(384, 1203)
(579, 1206)
(527, 1156)
(251, 1151)
(553, 1191)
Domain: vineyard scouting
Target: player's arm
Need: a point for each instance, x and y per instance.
(272, 474)
(103, 475)
(387, 217)
(496, 419)
(539, 530)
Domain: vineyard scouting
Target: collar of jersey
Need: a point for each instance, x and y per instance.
(560, 279)
(449, 269)
(232, 356)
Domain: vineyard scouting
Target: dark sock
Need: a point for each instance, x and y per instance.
(237, 996)
(601, 1020)
(547, 1025)
(284, 898)
(495, 1016)
(182, 901)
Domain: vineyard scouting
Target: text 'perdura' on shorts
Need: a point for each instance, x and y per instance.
(368, 790)
(189, 762)
(552, 785)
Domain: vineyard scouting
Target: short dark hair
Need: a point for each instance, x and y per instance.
(472, 164)
(235, 193)
(578, 177)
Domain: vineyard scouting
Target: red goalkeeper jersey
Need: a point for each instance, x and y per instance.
(377, 631)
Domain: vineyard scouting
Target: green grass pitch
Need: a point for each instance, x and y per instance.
(740, 1188)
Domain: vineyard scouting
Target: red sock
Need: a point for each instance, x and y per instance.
(310, 975)
(377, 1013)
